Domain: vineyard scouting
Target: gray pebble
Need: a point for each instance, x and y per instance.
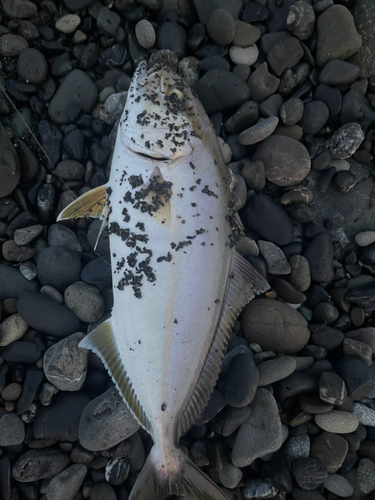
(221, 27)
(145, 33)
(259, 488)
(108, 21)
(230, 476)
(297, 447)
(274, 257)
(39, 464)
(21, 9)
(245, 34)
(12, 391)
(258, 132)
(65, 364)
(70, 170)
(366, 475)
(11, 329)
(338, 485)
(275, 370)
(244, 55)
(101, 491)
(345, 141)
(66, 485)
(291, 111)
(12, 430)
(341, 422)
(26, 235)
(365, 238)
(52, 293)
(85, 301)
(366, 415)
(12, 45)
(68, 24)
(262, 83)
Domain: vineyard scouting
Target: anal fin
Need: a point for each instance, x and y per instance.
(243, 284)
(91, 204)
(102, 342)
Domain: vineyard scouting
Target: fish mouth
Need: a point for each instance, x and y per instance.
(149, 156)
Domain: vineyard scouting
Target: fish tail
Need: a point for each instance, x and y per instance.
(176, 474)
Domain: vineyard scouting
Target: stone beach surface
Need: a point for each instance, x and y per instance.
(289, 87)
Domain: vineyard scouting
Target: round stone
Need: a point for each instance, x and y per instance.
(258, 132)
(245, 34)
(341, 422)
(244, 55)
(11, 329)
(26, 235)
(346, 140)
(145, 33)
(286, 161)
(332, 388)
(32, 66)
(66, 485)
(330, 449)
(171, 36)
(58, 267)
(39, 464)
(366, 415)
(102, 490)
(309, 472)
(275, 326)
(276, 369)
(241, 381)
(274, 257)
(221, 27)
(338, 485)
(365, 238)
(12, 45)
(12, 391)
(291, 111)
(301, 20)
(315, 116)
(68, 23)
(366, 475)
(85, 301)
(12, 430)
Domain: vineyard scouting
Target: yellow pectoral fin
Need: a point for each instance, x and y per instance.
(90, 204)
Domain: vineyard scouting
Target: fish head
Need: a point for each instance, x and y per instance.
(163, 118)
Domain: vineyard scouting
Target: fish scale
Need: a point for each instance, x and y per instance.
(178, 282)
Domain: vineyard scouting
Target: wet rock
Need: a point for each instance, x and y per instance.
(261, 434)
(340, 422)
(66, 484)
(274, 257)
(244, 55)
(337, 35)
(85, 301)
(345, 141)
(68, 24)
(47, 316)
(337, 72)
(32, 382)
(21, 9)
(315, 116)
(291, 111)
(32, 66)
(12, 430)
(58, 267)
(275, 326)
(253, 173)
(105, 422)
(309, 472)
(284, 55)
(365, 238)
(145, 33)
(65, 364)
(246, 116)
(221, 27)
(258, 132)
(108, 21)
(12, 45)
(172, 36)
(330, 449)
(275, 370)
(338, 485)
(262, 84)
(332, 388)
(39, 464)
(245, 34)
(286, 161)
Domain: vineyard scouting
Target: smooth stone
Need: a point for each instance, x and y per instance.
(66, 484)
(301, 20)
(366, 475)
(275, 326)
(63, 236)
(287, 293)
(340, 165)
(321, 162)
(258, 132)
(77, 87)
(245, 34)
(337, 72)
(13, 328)
(310, 403)
(356, 375)
(230, 419)
(68, 24)
(12, 430)
(291, 111)
(338, 485)
(296, 384)
(85, 301)
(365, 238)
(241, 381)
(319, 254)
(366, 415)
(268, 219)
(299, 276)
(245, 116)
(337, 37)
(21, 9)
(261, 434)
(330, 449)
(39, 464)
(284, 55)
(345, 141)
(286, 161)
(171, 36)
(315, 116)
(244, 55)
(262, 83)
(9, 165)
(363, 13)
(309, 472)
(26, 235)
(345, 181)
(11, 392)
(254, 174)
(58, 267)
(14, 253)
(74, 144)
(102, 490)
(275, 370)
(12, 45)
(258, 488)
(145, 33)
(332, 388)
(297, 447)
(327, 337)
(340, 422)
(108, 21)
(106, 421)
(300, 194)
(300, 494)
(254, 12)
(65, 364)
(31, 384)
(47, 316)
(32, 66)
(221, 27)
(358, 349)
(271, 106)
(274, 257)
(230, 476)
(326, 312)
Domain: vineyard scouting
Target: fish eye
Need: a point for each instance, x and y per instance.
(175, 95)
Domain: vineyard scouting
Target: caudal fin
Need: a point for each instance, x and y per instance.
(175, 475)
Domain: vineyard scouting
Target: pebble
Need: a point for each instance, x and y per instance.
(108, 21)
(262, 83)
(275, 326)
(366, 415)
(221, 27)
(14, 253)
(315, 116)
(244, 55)
(32, 66)
(245, 34)
(68, 24)
(246, 116)
(9, 165)
(258, 132)
(365, 475)
(365, 238)
(337, 72)
(331, 449)
(12, 430)
(332, 388)
(22, 9)
(220, 90)
(171, 36)
(287, 293)
(46, 315)
(340, 165)
(276, 369)
(268, 219)
(319, 254)
(258, 488)
(298, 195)
(145, 33)
(241, 381)
(11, 392)
(313, 404)
(345, 141)
(66, 484)
(271, 106)
(102, 490)
(337, 37)
(309, 472)
(358, 349)
(297, 447)
(255, 439)
(274, 257)
(65, 364)
(301, 20)
(338, 485)
(229, 420)
(299, 275)
(11, 329)
(105, 422)
(12, 45)
(58, 267)
(254, 174)
(39, 464)
(85, 301)
(286, 161)
(291, 111)
(340, 422)
(26, 235)
(356, 375)
(286, 54)
(77, 88)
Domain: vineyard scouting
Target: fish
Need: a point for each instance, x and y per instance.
(178, 281)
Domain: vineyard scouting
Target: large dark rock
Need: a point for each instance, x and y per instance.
(39, 464)
(13, 284)
(59, 267)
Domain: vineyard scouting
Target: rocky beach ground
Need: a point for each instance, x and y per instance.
(290, 89)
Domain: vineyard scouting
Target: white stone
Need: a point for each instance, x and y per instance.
(340, 165)
(68, 23)
(244, 55)
(365, 238)
(225, 149)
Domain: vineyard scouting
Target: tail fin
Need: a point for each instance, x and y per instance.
(175, 475)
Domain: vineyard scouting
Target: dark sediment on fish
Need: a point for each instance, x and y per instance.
(290, 90)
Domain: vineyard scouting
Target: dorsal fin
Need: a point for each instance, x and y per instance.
(90, 204)
(244, 282)
(101, 341)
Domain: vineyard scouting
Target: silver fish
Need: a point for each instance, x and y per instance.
(178, 282)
